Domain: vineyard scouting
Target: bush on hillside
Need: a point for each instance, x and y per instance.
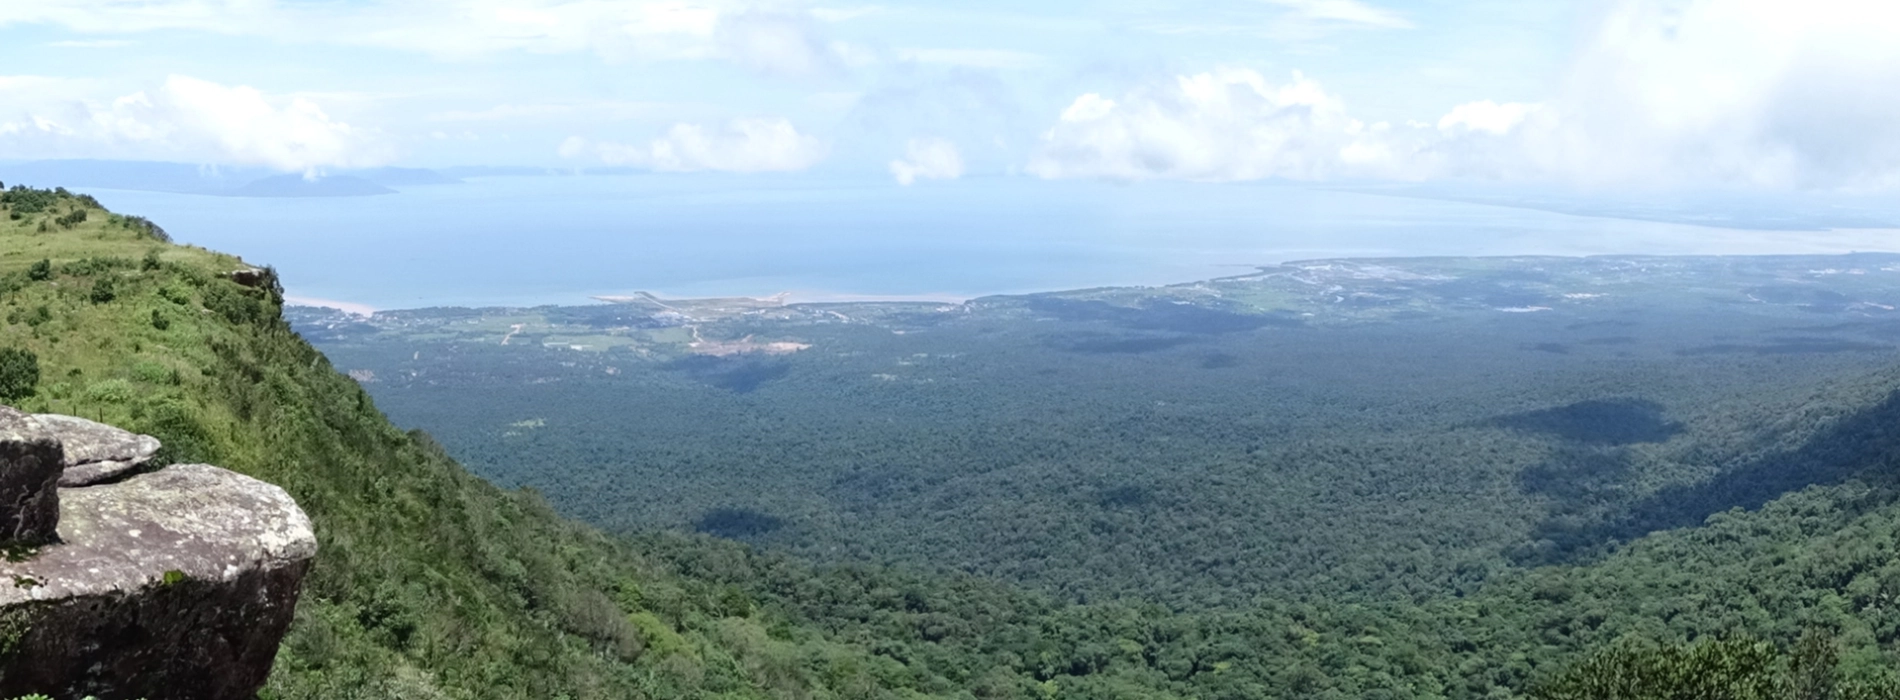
(19, 373)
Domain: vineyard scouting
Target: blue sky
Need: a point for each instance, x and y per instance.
(1767, 94)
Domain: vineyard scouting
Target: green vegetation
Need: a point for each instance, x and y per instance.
(1178, 454)
(431, 582)
(1426, 497)
(19, 373)
(1730, 669)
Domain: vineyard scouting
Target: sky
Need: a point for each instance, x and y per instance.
(1752, 94)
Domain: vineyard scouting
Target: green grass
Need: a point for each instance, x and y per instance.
(429, 582)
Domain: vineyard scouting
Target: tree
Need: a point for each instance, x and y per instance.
(1734, 669)
(19, 373)
(102, 291)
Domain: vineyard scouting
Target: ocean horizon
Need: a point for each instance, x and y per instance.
(530, 241)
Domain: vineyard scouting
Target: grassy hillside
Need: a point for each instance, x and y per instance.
(431, 583)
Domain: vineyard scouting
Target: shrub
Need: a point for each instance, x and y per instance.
(174, 294)
(102, 291)
(149, 371)
(40, 271)
(19, 373)
(230, 301)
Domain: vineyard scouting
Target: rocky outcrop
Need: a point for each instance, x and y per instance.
(96, 452)
(254, 277)
(177, 583)
(31, 462)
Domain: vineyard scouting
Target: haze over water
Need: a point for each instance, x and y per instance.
(507, 241)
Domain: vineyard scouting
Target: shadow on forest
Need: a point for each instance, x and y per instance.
(1219, 360)
(864, 490)
(737, 375)
(1597, 422)
(1103, 344)
(1852, 448)
(737, 523)
(1609, 340)
(1788, 346)
(1576, 477)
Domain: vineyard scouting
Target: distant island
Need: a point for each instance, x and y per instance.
(187, 178)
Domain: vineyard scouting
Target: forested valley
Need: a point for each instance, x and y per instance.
(1433, 478)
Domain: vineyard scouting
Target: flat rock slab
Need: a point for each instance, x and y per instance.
(96, 452)
(174, 584)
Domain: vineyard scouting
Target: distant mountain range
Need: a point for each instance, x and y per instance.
(186, 178)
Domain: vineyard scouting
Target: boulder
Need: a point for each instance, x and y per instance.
(254, 277)
(177, 583)
(30, 465)
(96, 452)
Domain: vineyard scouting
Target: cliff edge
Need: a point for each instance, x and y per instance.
(174, 583)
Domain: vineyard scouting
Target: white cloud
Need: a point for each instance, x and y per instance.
(1757, 92)
(91, 44)
(775, 43)
(1295, 21)
(996, 59)
(1343, 11)
(928, 159)
(15, 83)
(192, 119)
(1225, 125)
(592, 110)
(248, 127)
(774, 36)
(1696, 93)
(1486, 116)
(845, 14)
(740, 146)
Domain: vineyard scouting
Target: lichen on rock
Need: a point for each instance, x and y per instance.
(177, 583)
(96, 452)
(31, 462)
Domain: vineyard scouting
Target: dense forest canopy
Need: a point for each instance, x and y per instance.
(1197, 447)
(1341, 479)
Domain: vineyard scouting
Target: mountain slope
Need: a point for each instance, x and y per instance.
(431, 583)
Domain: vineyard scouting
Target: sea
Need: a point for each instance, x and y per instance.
(534, 240)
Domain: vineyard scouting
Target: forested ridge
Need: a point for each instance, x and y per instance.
(431, 582)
